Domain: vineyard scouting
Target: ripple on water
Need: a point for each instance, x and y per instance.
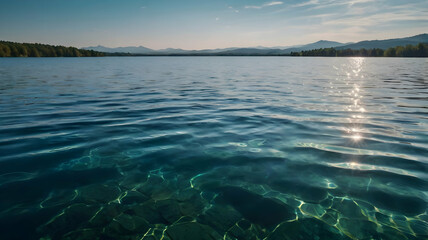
(119, 148)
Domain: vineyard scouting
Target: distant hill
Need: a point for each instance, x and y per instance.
(172, 50)
(250, 52)
(217, 50)
(388, 43)
(278, 51)
(133, 50)
(144, 50)
(416, 46)
(274, 51)
(380, 44)
(259, 50)
(315, 45)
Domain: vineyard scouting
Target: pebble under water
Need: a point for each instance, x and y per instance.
(173, 148)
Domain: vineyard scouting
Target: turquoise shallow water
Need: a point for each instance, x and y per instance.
(213, 148)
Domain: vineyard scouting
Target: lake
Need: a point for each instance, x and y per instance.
(213, 148)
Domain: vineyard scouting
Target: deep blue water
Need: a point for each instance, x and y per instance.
(213, 148)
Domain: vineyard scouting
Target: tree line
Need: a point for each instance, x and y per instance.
(12, 49)
(420, 50)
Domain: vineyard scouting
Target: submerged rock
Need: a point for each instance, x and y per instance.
(106, 214)
(348, 208)
(83, 234)
(244, 224)
(101, 193)
(401, 223)
(407, 205)
(133, 197)
(187, 194)
(133, 179)
(126, 224)
(192, 230)
(391, 234)
(420, 228)
(358, 228)
(383, 219)
(156, 188)
(304, 229)
(59, 198)
(256, 208)
(245, 230)
(307, 193)
(191, 203)
(331, 217)
(235, 232)
(220, 217)
(314, 210)
(72, 218)
(169, 210)
(155, 234)
(148, 211)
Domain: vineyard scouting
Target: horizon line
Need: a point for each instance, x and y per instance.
(258, 46)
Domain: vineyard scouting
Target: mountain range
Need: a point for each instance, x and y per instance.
(368, 44)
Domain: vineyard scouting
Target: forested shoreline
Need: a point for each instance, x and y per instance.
(420, 50)
(13, 49)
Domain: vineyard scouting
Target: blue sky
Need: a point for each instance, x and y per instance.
(200, 24)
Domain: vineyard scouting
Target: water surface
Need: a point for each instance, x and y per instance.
(213, 148)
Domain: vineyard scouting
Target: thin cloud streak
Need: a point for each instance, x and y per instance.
(318, 4)
(269, 4)
(336, 3)
(311, 2)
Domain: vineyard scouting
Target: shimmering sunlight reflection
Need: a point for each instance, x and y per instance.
(355, 78)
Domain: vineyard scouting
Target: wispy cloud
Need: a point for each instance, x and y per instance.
(317, 4)
(233, 9)
(268, 4)
(310, 2)
(352, 2)
(348, 3)
(274, 3)
(334, 6)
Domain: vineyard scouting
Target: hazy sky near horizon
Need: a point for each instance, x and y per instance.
(201, 24)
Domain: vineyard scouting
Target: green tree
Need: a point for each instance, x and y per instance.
(34, 52)
(2, 53)
(22, 50)
(14, 51)
(390, 52)
(422, 50)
